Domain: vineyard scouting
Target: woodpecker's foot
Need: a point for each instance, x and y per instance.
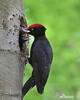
(26, 60)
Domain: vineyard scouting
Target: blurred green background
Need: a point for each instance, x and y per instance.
(62, 20)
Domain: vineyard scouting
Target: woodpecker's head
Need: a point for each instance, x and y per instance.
(36, 30)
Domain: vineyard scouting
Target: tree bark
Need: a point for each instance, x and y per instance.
(11, 65)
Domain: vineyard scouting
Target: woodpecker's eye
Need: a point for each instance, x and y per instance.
(32, 29)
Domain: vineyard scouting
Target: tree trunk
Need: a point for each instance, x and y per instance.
(11, 66)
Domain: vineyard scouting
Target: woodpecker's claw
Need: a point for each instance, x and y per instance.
(26, 60)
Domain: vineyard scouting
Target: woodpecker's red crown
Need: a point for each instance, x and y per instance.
(36, 25)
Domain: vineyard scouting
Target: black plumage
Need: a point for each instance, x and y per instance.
(40, 59)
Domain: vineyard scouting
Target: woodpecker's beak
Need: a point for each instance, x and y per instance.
(25, 30)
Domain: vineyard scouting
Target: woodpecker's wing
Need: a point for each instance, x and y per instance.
(40, 56)
(42, 52)
(41, 65)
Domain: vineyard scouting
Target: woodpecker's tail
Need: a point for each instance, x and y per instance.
(40, 89)
(29, 84)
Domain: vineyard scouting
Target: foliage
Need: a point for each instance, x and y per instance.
(62, 19)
